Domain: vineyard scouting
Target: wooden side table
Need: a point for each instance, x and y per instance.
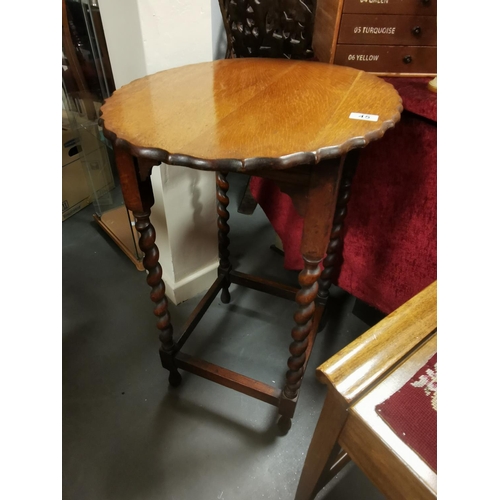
(289, 121)
(361, 377)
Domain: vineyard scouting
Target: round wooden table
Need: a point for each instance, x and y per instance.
(290, 121)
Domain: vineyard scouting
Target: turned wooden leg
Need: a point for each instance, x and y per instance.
(135, 181)
(308, 281)
(334, 249)
(332, 261)
(319, 201)
(150, 261)
(223, 217)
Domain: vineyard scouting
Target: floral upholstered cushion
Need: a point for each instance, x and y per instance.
(412, 412)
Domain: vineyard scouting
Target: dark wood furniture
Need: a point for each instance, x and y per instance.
(284, 120)
(266, 28)
(385, 37)
(359, 377)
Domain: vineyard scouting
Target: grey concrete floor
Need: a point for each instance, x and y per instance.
(127, 435)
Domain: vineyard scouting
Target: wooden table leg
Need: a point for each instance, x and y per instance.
(320, 200)
(137, 191)
(223, 217)
(333, 260)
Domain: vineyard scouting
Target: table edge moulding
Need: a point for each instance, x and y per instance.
(248, 164)
(223, 112)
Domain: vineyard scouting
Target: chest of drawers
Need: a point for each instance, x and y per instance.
(385, 37)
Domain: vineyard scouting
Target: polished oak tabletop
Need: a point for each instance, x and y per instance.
(243, 114)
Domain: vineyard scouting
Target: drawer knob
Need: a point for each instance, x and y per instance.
(407, 59)
(416, 30)
(426, 2)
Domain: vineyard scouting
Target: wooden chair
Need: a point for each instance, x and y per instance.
(360, 377)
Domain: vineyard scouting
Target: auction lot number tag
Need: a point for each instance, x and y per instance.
(363, 116)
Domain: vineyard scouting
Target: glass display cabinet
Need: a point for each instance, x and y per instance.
(89, 172)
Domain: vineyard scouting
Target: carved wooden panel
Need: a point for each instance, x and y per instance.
(269, 28)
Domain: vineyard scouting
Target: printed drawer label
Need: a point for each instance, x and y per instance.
(388, 59)
(390, 30)
(410, 7)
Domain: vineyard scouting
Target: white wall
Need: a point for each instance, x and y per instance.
(122, 29)
(175, 33)
(143, 37)
(219, 41)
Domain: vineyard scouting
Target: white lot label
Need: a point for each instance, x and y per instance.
(363, 116)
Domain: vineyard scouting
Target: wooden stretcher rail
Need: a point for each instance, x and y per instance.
(263, 285)
(200, 310)
(228, 378)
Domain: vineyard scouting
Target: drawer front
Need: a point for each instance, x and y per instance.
(408, 7)
(391, 30)
(387, 59)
